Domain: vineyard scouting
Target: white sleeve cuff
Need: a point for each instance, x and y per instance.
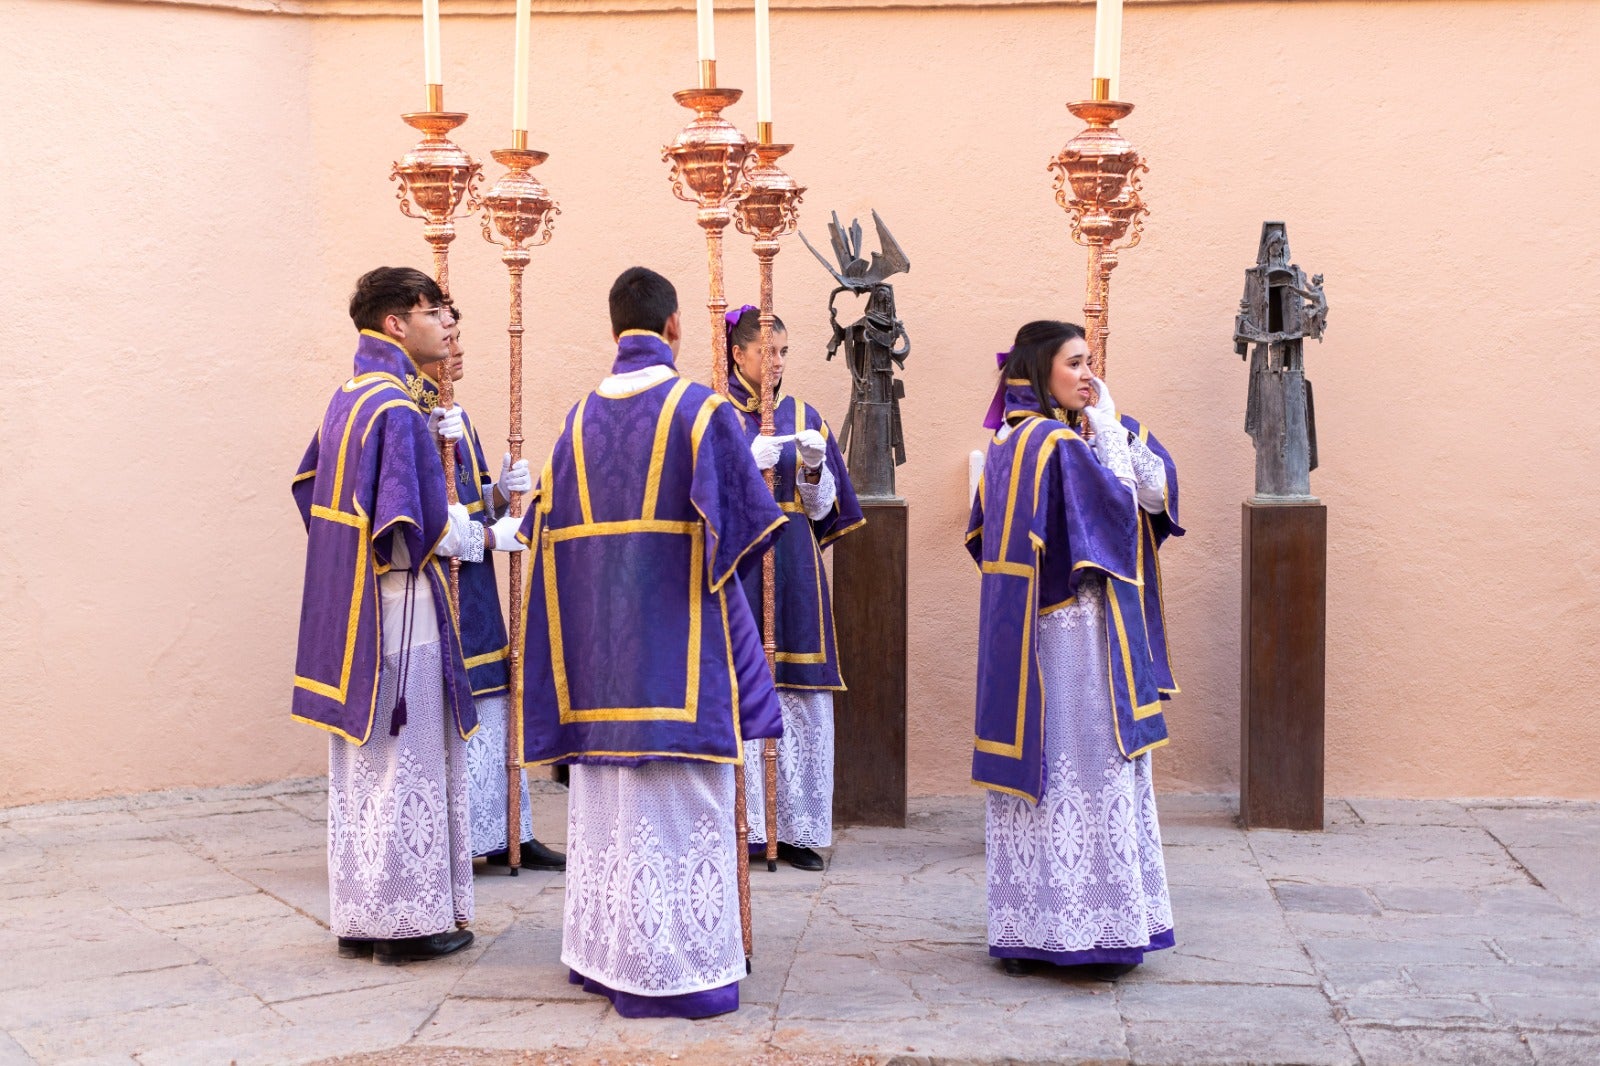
(818, 499)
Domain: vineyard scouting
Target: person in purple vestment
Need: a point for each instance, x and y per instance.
(380, 663)
(483, 634)
(1075, 872)
(813, 485)
(643, 670)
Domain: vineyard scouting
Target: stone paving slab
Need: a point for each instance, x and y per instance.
(1408, 932)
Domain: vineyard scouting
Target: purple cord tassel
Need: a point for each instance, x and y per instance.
(398, 717)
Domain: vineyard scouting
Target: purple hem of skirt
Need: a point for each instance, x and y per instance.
(1163, 939)
(704, 1004)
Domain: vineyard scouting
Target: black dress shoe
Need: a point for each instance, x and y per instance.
(1109, 971)
(800, 858)
(1017, 967)
(535, 856)
(418, 948)
(355, 947)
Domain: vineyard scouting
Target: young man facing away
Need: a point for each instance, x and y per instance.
(643, 668)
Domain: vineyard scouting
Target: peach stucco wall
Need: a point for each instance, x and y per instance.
(194, 186)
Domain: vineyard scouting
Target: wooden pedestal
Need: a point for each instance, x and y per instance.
(1282, 660)
(869, 720)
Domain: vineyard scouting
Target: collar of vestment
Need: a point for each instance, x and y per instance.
(379, 353)
(1022, 402)
(747, 397)
(639, 348)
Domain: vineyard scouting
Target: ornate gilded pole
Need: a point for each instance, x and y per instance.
(708, 158)
(1097, 183)
(519, 214)
(769, 210)
(439, 180)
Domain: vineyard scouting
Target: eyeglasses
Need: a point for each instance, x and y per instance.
(439, 313)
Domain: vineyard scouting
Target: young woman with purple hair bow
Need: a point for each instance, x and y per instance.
(1074, 501)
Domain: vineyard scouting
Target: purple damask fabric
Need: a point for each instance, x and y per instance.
(635, 638)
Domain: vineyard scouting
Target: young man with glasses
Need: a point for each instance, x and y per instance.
(380, 665)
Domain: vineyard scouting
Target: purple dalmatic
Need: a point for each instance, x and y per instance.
(372, 474)
(807, 652)
(1046, 511)
(635, 650)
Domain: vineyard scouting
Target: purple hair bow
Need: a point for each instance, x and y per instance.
(997, 407)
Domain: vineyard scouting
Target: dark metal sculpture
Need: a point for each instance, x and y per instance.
(872, 430)
(1280, 310)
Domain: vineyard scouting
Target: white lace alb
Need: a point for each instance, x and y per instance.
(399, 858)
(805, 773)
(486, 767)
(652, 904)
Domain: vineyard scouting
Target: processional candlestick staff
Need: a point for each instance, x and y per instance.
(708, 159)
(439, 180)
(771, 209)
(521, 211)
(1097, 182)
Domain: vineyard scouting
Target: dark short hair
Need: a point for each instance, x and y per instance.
(641, 299)
(1036, 345)
(746, 330)
(390, 291)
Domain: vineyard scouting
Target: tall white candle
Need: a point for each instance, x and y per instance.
(432, 67)
(763, 63)
(707, 32)
(1108, 42)
(519, 84)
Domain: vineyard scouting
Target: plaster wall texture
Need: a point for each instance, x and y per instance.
(206, 184)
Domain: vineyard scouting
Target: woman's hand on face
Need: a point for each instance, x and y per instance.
(1103, 403)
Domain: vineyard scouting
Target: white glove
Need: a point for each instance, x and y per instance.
(505, 534)
(813, 448)
(1105, 405)
(446, 422)
(456, 534)
(767, 451)
(515, 479)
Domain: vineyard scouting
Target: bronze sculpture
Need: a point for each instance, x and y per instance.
(872, 430)
(1280, 310)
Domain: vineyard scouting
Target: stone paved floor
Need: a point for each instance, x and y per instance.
(190, 928)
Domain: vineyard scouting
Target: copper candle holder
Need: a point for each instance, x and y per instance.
(708, 169)
(769, 209)
(519, 214)
(438, 184)
(437, 180)
(1097, 184)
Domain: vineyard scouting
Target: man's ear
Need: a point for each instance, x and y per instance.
(673, 330)
(395, 326)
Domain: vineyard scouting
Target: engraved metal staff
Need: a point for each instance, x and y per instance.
(1097, 184)
(439, 180)
(519, 215)
(708, 159)
(770, 210)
